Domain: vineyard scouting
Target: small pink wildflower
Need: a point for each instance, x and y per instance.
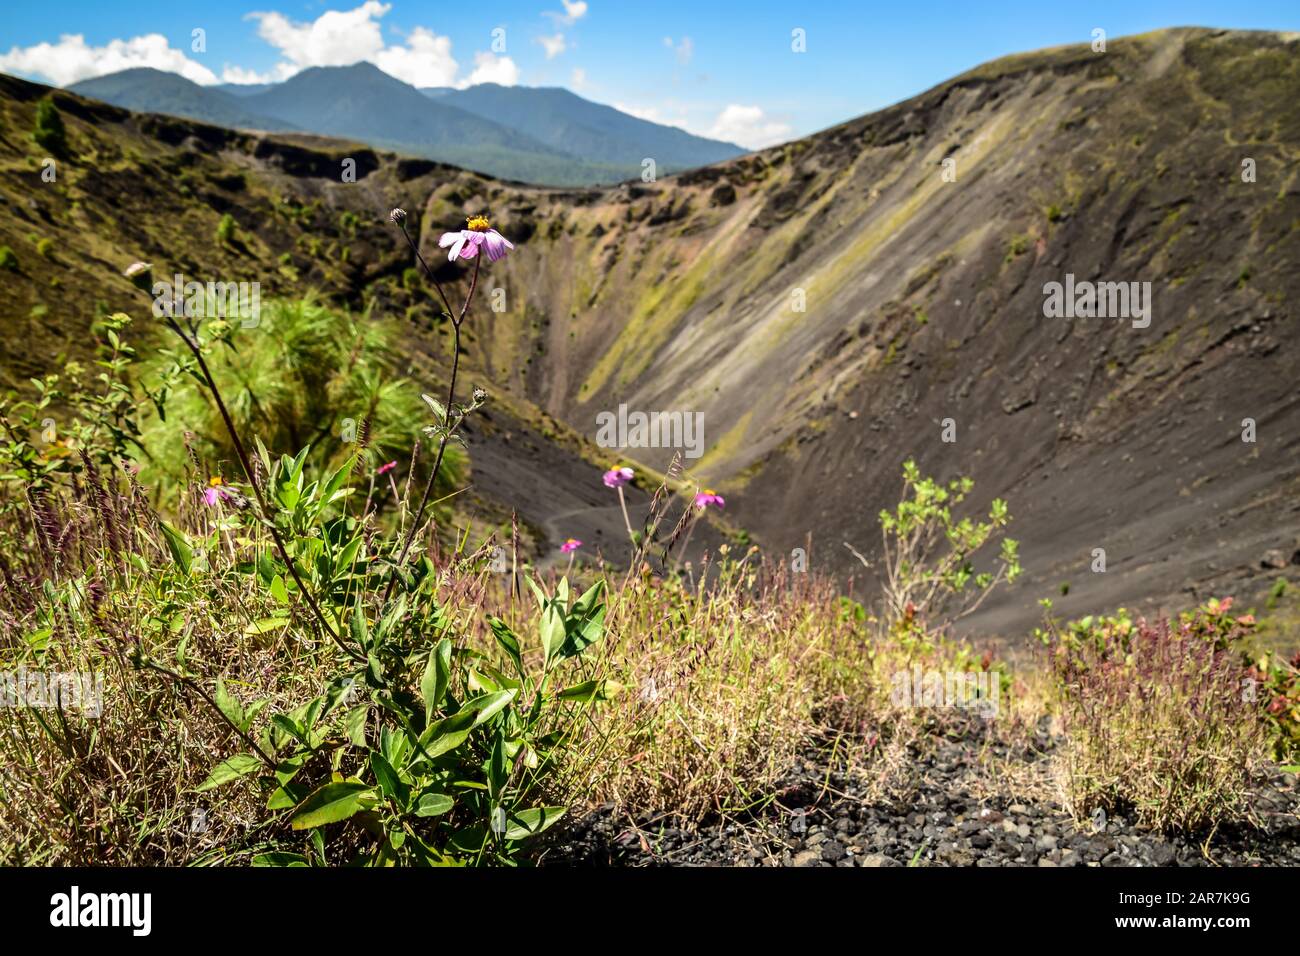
(385, 469)
(570, 545)
(214, 492)
(709, 497)
(467, 243)
(618, 477)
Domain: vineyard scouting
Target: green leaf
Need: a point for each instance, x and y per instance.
(434, 804)
(267, 625)
(509, 643)
(329, 804)
(552, 631)
(279, 859)
(487, 706)
(586, 623)
(355, 724)
(583, 633)
(497, 771)
(287, 796)
(229, 706)
(587, 691)
(447, 734)
(386, 775)
(478, 681)
(360, 629)
(278, 590)
(438, 409)
(469, 840)
(437, 675)
(529, 823)
(347, 556)
(538, 593)
(179, 546)
(590, 600)
(335, 481)
(237, 766)
(291, 728)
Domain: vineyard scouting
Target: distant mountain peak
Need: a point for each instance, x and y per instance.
(546, 135)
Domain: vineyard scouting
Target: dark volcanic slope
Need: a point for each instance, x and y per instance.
(924, 301)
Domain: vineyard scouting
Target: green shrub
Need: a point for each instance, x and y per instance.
(929, 553)
(1167, 720)
(226, 229)
(50, 133)
(7, 259)
(305, 375)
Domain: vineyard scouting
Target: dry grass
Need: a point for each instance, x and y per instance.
(1156, 721)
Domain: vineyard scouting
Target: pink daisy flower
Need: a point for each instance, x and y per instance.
(214, 492)
(618, 477)
(478, 236)
(709, 497)
(570, 545)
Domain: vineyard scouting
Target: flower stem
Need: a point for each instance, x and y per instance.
(456, 321)
(245, 462)
(627, 522)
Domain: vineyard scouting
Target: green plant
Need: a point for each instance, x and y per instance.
(928, 554)
(50, 133)
(425, 750)
(226, 229)
(7, 259)
(1160, 719)
(305, 375)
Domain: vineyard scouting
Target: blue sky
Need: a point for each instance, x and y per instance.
(724, 68)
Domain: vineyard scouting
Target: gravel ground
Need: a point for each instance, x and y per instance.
(822, 817)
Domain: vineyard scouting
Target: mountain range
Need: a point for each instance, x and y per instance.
(832, 306)
(537, 135)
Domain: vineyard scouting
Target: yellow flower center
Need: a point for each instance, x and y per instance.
(478, 223)
(214, 482)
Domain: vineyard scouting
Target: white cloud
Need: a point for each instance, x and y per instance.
(344, 37)
(578, 78)
(489, 68)
(426, 59)
(237, 74)
(554, 45)
(748, 126)
(655, 114)
(651, 113)
(71, 59)
(684, 48)
(574, 10)
(335, 38)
